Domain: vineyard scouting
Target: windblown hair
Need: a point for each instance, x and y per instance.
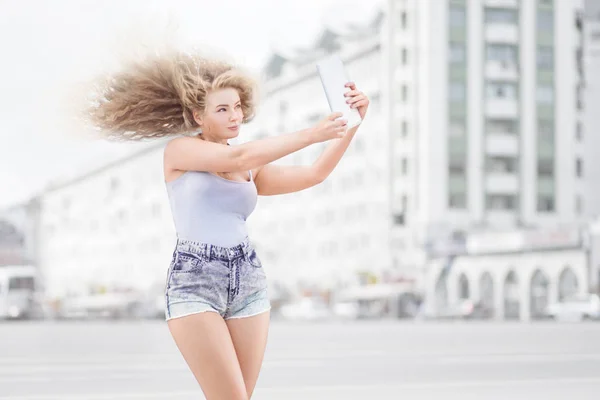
(156, 97)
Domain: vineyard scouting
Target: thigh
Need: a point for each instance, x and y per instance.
(207, 348)
(249, 336)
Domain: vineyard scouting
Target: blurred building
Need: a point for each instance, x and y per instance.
(486, 106)
(516, 274)
(335, 233)
(109, 229)
(19, 241)
(476, 126)
(591, 126)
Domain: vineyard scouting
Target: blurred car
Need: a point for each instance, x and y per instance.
(463, 309)
(575, 308)
(18, 296)
(105, 305)
(346, 310)
(309, 309)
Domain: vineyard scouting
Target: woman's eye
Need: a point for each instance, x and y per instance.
(238, 106)
(220, 109)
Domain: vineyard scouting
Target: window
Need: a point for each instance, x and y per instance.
(501, 202)
(579, 167)
(501, 126)
(545, 130)
(545, 57)
(457, 128)
(404, 56)
(504, 53)
(579, 131)
(403, 20)
(578, 204)
(359, 144)
(545, 20)
(156, 210)
(122, 216)
(500, 16)
(545, 203)
(501, 90)
(545, 168)
(404, 129)
(457, 167)
(501, 164)
(359, 178)
(579, 96)
(457, 53)
(114, 184)
(545, 94)
(399, 219)
(404, 93)
(404, 203)
(457, 91)
(404, 166)
(457, 16)
(17, 283)
(457, 200)
(283, 106)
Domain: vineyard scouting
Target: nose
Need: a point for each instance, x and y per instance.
(235, 117)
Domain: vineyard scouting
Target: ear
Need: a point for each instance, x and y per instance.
(198, 117)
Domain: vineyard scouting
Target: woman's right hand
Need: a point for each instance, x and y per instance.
(330, 128)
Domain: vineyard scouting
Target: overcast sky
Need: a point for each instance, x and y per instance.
(50, 46)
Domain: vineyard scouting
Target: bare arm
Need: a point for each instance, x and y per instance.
(275, 179)
(279, 179)
(192, 154)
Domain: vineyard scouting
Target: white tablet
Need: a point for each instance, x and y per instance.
(333, 78)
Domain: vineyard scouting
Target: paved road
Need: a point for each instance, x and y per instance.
(354, 360)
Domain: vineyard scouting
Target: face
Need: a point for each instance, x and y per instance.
(223, 115)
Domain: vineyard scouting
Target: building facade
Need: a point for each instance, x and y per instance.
(591, 126)
(475, 125)
(110, 229)
(479, 142)
(19, 229)
(332, 234)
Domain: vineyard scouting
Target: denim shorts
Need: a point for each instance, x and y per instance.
(227, 280)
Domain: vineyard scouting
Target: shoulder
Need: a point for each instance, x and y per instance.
(176, 144)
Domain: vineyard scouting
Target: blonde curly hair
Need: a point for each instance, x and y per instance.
(157, 97)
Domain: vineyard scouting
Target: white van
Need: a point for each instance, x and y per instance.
(17, 291)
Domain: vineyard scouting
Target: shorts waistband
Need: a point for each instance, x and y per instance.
(211, 251)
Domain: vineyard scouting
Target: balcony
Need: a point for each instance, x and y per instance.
(502, 3)
(501, 71)
(502, 108)
(502, 218)
(502, 144)
(501, 182)
(502, 33)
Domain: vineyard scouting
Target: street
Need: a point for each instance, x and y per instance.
(91, 360)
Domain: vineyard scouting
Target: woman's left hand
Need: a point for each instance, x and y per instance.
(357, 99)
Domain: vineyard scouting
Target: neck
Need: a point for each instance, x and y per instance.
(211, 139)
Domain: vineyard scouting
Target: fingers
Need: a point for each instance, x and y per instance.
(353, 93)
(351, 85)
(334, 116)
(360, 103)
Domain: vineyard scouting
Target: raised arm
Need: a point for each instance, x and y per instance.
(278, 179)
(191, 154)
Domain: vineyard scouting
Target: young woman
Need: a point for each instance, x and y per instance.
(217, 306)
